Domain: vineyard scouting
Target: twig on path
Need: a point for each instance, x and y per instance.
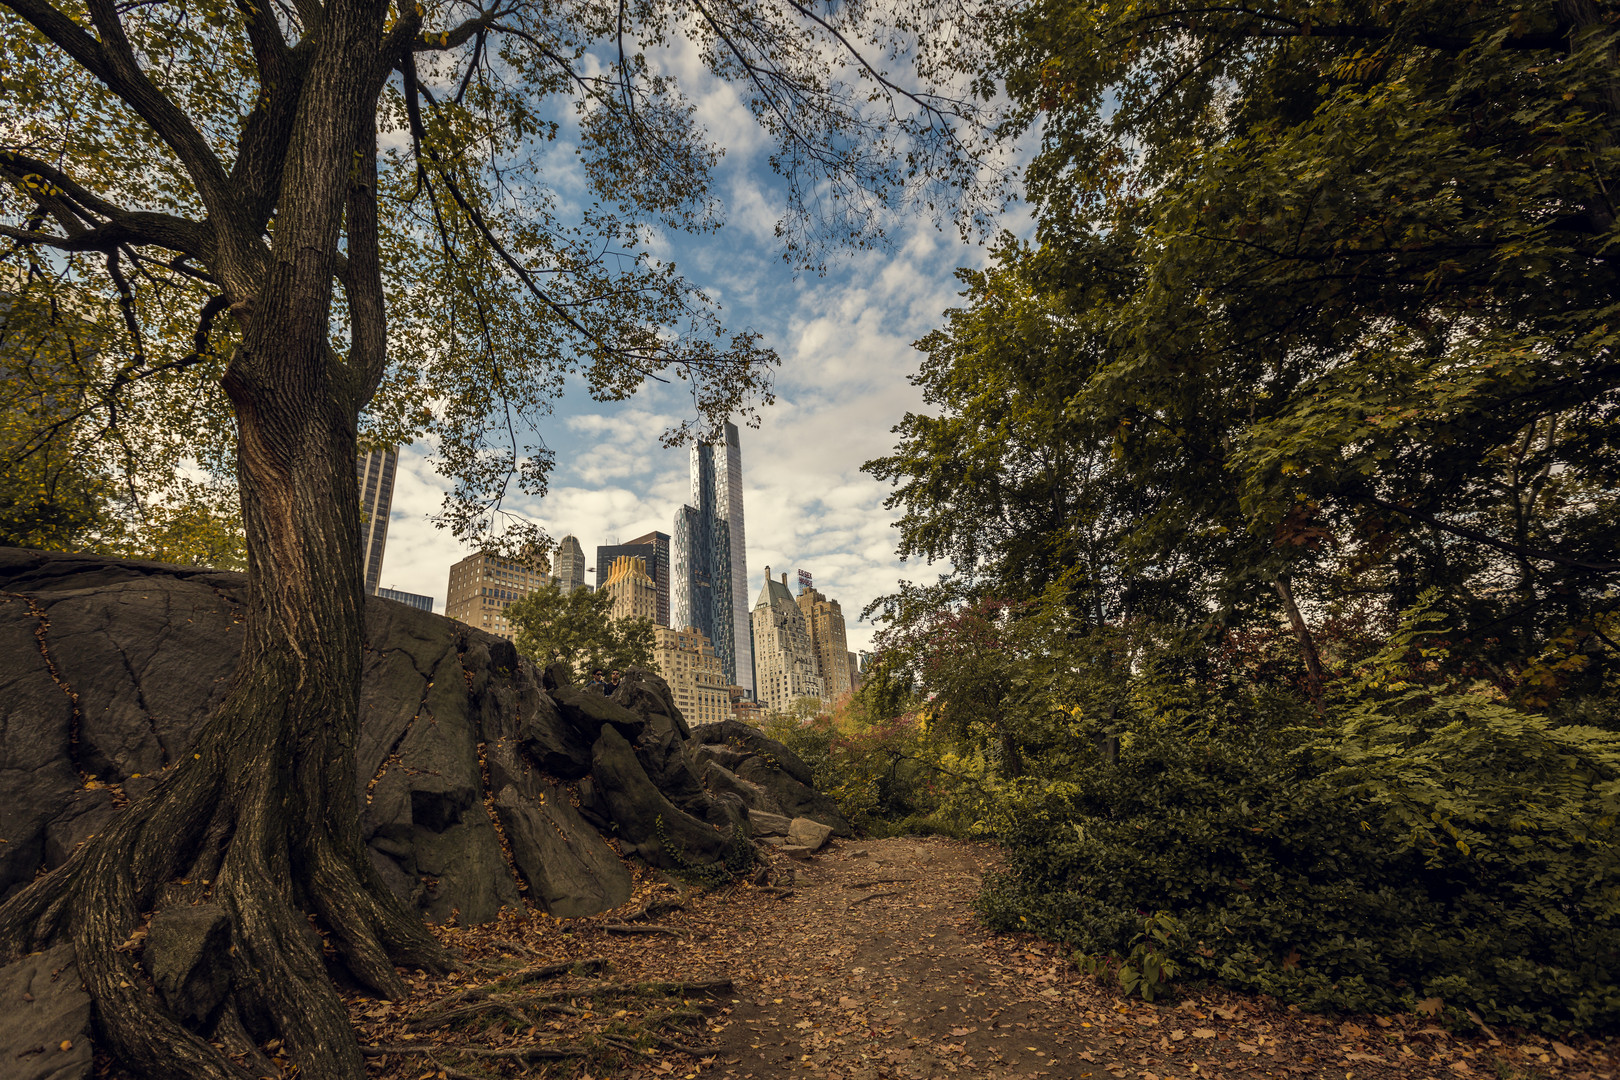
(874, 896)
(640, 928)
(878, 881)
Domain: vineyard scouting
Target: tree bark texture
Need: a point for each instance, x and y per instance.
(264, 813)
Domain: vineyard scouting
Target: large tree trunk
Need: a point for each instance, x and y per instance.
(263, 818)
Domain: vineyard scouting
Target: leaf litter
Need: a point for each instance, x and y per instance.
(791, 978)
(825, 979)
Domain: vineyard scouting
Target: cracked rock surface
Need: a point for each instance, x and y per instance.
(480, 787)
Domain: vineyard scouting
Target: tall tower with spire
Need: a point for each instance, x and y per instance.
(709, 571)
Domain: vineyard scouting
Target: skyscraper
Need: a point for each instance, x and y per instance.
(415, 600)
(375, 470)
(484, 585)
(653, 550)
(634, 594)
(570, 564)
(709, 572)
(787, 660)
(824, 619)
(687, 662)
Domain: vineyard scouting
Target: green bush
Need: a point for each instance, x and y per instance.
(888, 777)
(1419, 846)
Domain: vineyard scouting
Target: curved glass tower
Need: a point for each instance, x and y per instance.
(709, 564)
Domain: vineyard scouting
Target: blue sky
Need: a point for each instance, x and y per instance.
(844, 340)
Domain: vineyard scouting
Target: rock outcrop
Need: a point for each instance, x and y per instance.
(483, 781)
(767, 776)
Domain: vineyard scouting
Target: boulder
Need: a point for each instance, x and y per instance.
(568, 867)
(587, 712)
(188, 956)
(481, 778)
(646, 694)
(651, 826)
(763, 773)
(806, 833)
(763, 824)
(718, 778)
(44, 1018)
(751, 740)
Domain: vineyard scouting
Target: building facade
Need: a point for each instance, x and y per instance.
(484, 585)
(652, 549)
(634, 594)
(375, 469)
(824, 620)
(686, 660)
(569, 565)
(416, 600)
(786, 661)
(854, 671)
(709, 561)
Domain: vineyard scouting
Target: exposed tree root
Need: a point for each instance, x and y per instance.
(520, 1053)
(878, 881)
(508, 981)
(640, 928)
(275, 862)
(701, 988)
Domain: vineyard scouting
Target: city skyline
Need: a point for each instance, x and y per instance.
(846, 562)
(843, 334)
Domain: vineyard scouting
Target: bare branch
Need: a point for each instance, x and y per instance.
(1463, 531)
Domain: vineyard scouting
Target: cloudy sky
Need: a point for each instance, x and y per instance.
(845, 343)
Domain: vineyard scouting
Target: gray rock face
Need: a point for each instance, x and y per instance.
(763, 773)
(651, 826)
(803, 832)
(42, 1007)
(568, 867)
(764, 824)
(482, 780)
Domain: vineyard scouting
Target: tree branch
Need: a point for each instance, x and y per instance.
(1491, 541)
(361, 272)
(139, 227)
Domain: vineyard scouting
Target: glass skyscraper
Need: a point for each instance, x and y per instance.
(709, 572)
(375, 469)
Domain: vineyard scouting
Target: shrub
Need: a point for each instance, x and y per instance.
(1419, 846)
(888, 777)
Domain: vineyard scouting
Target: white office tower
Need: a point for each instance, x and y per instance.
(375, 468)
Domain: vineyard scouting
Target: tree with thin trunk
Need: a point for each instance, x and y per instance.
(308, 222)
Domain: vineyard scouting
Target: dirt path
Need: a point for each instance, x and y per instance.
(874, 967)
